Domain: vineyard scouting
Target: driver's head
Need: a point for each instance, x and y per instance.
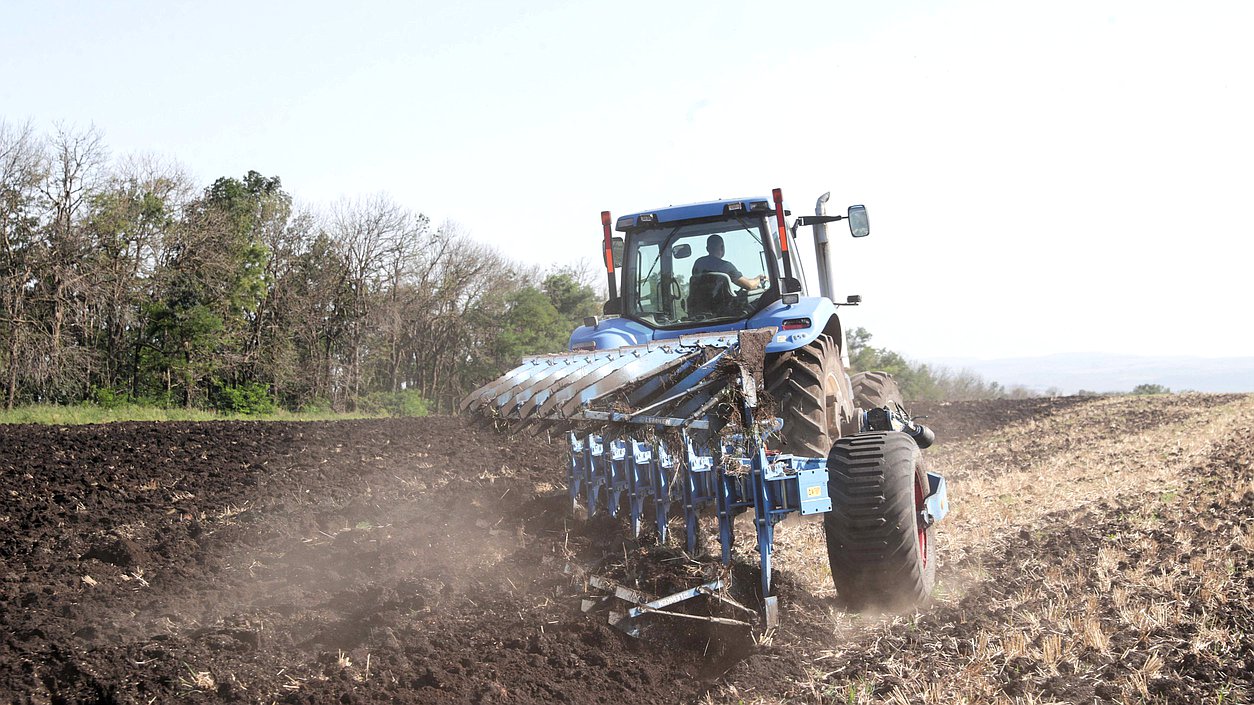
(714, 245)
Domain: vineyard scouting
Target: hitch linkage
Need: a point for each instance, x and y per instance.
(893, 418)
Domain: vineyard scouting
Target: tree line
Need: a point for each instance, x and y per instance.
(122, 280)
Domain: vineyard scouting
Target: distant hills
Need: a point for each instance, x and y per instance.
(1098, 372)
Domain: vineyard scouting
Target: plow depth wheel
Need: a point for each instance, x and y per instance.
(880, 552)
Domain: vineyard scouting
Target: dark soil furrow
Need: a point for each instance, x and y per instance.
(429, 561)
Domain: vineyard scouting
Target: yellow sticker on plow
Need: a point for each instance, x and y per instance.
(815, 491)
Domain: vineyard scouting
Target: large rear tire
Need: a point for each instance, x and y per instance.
(871, 390)
(881, 554)
(812, 396)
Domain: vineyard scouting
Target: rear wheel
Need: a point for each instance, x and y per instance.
(871, 390)
(812, 396)
(881, 554)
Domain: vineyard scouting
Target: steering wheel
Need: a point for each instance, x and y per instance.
(763, 285)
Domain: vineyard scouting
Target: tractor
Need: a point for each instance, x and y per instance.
(715, 380)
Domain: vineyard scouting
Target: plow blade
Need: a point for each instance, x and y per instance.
(665, 383)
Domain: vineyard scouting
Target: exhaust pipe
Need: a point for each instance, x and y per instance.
(820, 248)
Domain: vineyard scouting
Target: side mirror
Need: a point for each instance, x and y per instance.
(613, 307)
(853, 299)
(858, 223)
(616, 246)
(681, 251)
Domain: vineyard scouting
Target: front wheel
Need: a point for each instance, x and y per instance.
(881, 553)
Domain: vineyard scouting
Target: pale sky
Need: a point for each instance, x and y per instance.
(1040, 177)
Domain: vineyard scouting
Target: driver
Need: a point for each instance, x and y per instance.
(714, 262)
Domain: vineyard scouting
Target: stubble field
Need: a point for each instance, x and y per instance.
(1098, 550)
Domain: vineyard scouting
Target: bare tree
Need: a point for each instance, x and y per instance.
(406, 290)
(372, 233)
(465, 285)
(74, 162)
(21, 172)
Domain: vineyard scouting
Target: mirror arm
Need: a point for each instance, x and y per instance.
(816, 219)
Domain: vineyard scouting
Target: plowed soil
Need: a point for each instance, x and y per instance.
(1098, 550)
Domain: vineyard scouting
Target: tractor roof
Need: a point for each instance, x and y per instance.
(692, 211)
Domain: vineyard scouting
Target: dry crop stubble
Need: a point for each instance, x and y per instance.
(1099, 550)
(1100, 554)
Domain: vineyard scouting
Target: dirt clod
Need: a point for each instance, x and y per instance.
(119, 551)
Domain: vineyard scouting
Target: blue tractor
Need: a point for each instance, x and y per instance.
(716, 381)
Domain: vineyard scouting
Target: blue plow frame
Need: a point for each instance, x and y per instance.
(670, 427)
(628, 476)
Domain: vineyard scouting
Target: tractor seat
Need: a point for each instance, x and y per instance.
(709, 293)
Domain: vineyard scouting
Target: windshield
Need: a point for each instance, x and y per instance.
(696, 272)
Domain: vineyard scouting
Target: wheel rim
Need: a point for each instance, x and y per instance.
(919, 506)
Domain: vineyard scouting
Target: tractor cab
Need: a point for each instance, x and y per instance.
(713, 267)
(701, 264)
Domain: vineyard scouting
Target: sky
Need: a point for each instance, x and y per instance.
(1040, 177)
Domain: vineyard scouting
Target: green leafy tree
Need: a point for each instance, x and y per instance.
(185, 336)
(241, 210)
(1150, 389)
(531, 326)
(915, 382)
(213, 282)
(572, 298)
(129, 218)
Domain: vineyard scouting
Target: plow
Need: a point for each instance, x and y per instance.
(690, 399)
